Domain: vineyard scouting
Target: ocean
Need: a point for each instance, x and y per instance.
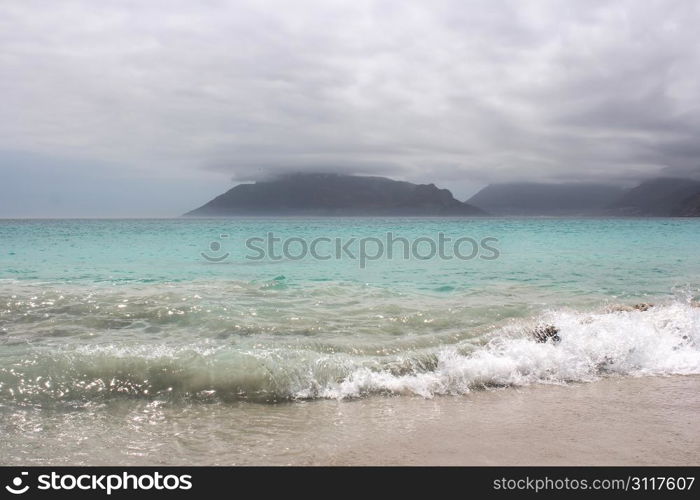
(226, 340)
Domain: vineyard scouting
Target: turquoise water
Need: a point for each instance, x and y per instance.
(92, 310)
(595, 257)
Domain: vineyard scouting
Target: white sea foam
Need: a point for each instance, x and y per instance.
(664, 340)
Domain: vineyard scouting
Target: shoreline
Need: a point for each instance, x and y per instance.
(615, 421)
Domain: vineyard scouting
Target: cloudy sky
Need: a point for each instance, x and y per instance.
(126, 108)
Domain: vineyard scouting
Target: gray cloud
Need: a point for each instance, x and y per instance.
(462, 93)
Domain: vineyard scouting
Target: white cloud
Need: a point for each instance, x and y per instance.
(457, 92)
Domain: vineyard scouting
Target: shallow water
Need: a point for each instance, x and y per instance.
(129, 314)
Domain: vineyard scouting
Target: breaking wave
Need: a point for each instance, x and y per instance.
(663, 340)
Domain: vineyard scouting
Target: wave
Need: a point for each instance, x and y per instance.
(663, 340)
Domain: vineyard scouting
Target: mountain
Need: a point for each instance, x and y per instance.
(527, 198)
(690, 207)
(334, 194)
(661, 197)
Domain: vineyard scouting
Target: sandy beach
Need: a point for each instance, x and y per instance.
(621, 421)
(626, 421)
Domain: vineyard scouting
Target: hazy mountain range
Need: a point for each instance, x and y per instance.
(546, 199)
(335, 194)
(661, 197)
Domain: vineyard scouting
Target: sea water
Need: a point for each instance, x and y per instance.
(181, 313)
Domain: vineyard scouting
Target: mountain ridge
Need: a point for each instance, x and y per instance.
(531, 198)
(349, 195)
(657, 197)
(335, 194)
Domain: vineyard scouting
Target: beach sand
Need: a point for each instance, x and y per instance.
(616, 421)
(626, 421)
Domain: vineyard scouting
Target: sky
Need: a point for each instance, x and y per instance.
(151, 108)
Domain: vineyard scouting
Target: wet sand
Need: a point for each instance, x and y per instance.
(620, 421)
(627, 421)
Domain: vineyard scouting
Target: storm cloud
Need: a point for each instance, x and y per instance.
(460, 93)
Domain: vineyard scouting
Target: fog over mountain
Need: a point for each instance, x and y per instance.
(660, 197)
(690, 207)
(546, 199)
(123, 97)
